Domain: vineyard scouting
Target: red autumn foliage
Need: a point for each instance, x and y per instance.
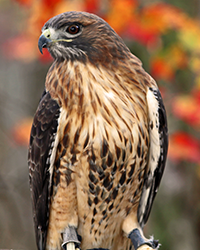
(92, 6)
(183, 146)
(146, 24)
(187, 108)
(21, 131)
(161, 69)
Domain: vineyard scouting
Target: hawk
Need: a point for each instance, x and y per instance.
(98, 142)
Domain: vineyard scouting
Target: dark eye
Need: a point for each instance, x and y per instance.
(73, 29)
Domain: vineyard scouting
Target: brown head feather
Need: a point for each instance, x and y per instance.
(97, 41)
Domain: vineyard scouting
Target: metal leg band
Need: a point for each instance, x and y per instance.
(70, 236)
(138, 240)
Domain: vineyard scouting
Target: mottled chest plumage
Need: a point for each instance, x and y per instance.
(102, 149)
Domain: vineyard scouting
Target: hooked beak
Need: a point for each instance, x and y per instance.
(44, 40)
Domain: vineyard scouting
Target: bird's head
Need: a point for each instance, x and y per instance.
(81, 36)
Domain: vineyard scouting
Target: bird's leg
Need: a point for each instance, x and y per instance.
(70, 239)
(140, 242)
(133, 231)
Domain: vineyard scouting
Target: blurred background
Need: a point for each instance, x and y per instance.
(165, 35)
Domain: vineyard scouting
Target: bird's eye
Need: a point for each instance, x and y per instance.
(73, 29)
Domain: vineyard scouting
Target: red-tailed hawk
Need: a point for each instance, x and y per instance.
(98, 142)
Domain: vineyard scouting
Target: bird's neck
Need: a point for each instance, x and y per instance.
(78, 84)
(69, 81)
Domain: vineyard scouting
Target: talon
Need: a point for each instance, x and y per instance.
(145, 247)
(69, 246)
(138, 240)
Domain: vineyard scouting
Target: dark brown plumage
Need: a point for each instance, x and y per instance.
(98, 143)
